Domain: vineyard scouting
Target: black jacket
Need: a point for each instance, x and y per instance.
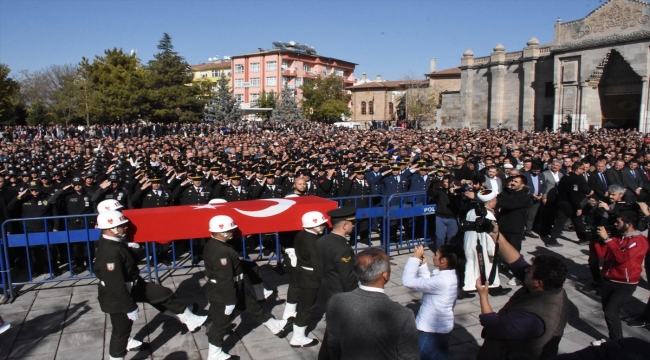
(573, 189)
(114, 266)
(512, 210)
(224, 270)
(305, 246)
(335, 262)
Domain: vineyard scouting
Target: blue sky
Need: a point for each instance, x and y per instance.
(395, 39)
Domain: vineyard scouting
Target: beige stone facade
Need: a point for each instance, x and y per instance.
(594, 74)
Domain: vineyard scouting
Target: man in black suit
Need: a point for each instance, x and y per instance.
(365, 323)
(614, 175)
(633, 181)
(536, 188)
(598, 181)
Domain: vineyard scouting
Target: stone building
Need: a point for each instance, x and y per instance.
(382, 100)
(594, 74)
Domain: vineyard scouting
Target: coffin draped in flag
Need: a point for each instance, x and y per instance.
(166, 224)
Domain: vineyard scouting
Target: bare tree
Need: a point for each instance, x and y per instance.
(421, 102)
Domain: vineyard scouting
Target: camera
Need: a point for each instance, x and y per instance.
(482, 223)
(463, 188)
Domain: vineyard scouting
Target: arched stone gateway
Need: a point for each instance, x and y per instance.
(620, 89)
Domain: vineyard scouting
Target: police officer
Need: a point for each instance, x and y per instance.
(112, 189)
(121, 287)
(78, 203)
(224, 271)
(356, 185)
(192, 191)
(314, 224)
(336, 260)
(31, 202)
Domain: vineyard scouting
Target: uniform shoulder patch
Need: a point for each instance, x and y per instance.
(45, 202)
(224, 261)
(110, 266)
(346, 259)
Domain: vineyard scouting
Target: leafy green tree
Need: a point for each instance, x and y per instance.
(287, 109)
(327, 98)
(9, 100)
(223, 106)
(117, 84)
(268, 101)
(38, 114)
(172, 94)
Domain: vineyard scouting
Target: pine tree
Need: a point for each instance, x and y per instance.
(287, 109)
(223, 106)
(170, 97)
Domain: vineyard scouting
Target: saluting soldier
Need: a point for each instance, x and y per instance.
(29, 203)
(306, 282)
(224, 271)
(335, 262)
(192, 192)
(78, 203)
(236, 191)
(152, 195)
(270, 190)
(121, 287)
(356, 185)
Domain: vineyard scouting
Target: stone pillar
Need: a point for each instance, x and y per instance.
(467, 89)
(498, 72)
(581, 116)
(643, 116)
(531, 53)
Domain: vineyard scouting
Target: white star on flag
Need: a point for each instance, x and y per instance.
(206, 206)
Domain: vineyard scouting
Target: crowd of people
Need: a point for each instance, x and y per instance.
(492, 189)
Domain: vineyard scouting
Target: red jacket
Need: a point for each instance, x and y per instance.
(623, 257)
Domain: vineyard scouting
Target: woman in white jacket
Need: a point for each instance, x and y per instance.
(440, 289)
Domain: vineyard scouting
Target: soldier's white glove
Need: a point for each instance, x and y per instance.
(133, 245)
(133, 315)
(229, 309)
(291, 253)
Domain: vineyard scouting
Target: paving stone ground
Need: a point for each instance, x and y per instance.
(62, 320)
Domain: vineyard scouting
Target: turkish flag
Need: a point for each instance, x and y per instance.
(166, 224)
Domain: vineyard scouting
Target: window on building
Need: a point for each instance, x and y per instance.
(226, 72)
(298, 81)
(338, 72)
(271, 65)
(306, 68)
(255, 67)
(271, 81)
(255, 97)
(239, 68)
(285, 66)
(215, 73)
(390, 108)
(239, 98)
(549, 91)
(363, 108)
(371, 107)
(255, 82)
(204, 74)
(239, 83)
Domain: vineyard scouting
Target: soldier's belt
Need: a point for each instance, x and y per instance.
(239, 277)
(129, 284)
(307, 268)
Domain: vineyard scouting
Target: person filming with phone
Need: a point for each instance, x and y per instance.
(531, 324)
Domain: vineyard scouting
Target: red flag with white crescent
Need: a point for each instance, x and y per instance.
(166, 224)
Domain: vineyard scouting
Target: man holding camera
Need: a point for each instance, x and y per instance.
(479, 247)
(623, 256)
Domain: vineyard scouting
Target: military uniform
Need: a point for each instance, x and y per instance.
(120, 287)
(307, 270)
(233, 193)
(336, 261)
(224, 272)
(191, 195)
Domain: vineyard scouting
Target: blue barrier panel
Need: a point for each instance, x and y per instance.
(45, 249)
(365, 211)
(406, 219)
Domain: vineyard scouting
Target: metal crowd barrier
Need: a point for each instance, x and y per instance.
(400, 221)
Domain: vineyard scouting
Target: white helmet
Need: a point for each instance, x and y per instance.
(222, 223)
(108, 205)
(313, 219)
(217, 201)
(110, 219)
